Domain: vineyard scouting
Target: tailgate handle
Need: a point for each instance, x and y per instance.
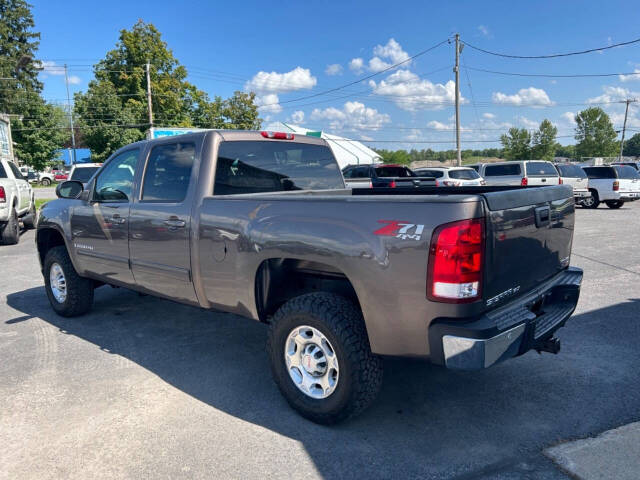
(543, 216)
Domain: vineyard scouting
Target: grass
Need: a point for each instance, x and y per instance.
(41, 201)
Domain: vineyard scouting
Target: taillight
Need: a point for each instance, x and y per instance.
(370, 184)
(277, 135)
(437, 184)
(455, 262)
(392, 184)
(559, 180)
(616, 185)
(524, 182)
(3, 196)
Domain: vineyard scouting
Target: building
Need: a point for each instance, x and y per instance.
(6, 143)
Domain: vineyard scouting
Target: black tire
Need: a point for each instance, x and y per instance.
(614, 203)
(30, 220)
(593, 201)
(11, 231)
(341, 322)
(79, 298)
(45, 182)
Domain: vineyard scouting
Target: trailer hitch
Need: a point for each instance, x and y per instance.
(550, 345)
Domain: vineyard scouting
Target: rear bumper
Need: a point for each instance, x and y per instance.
(508, 331)
(581, 194)
(629, 196)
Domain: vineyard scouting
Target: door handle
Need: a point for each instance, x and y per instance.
(117, 219)
(175, 223)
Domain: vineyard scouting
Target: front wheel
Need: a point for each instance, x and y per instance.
(69, 293)
(593, 201)
(614, 203)
(45, 182)
(321, 359)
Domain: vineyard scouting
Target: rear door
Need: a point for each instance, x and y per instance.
(503, 174)
(160, 221)
(465, 177)
(541, 173)
(529, 239)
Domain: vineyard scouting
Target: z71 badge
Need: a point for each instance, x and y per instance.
(402, 230)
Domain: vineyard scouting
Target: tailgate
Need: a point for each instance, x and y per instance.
(529, 236)
(415, 181)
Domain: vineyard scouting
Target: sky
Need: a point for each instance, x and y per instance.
(292, 54)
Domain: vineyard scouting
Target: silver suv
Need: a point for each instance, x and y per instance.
(452, 176)
(520, 172)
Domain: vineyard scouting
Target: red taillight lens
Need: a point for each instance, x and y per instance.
(392, 184)
(524, 182)
(455, 262)
(3, 196)
(559, 180)
(616, 185)
(277, 135)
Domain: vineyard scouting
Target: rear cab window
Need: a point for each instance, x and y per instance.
(268, 166)
(168, 172)
(571, 171)
(541, 169)
(502, 170)
(464, 174)
(398, 172)
(600, 172)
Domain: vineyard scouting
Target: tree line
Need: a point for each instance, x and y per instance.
(112, 112)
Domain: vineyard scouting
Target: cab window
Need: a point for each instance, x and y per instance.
(115, 182)
(168, 172)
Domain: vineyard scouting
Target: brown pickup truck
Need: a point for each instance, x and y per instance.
(260, 224)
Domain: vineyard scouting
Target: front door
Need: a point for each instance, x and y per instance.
(161, 222)
(100, 226)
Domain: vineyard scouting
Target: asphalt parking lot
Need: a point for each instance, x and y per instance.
(144, 388)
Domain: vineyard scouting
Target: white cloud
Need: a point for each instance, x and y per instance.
(269, 103)
(414, 134)
(297, 116)
(412, 93)
(51, 68)
(488, 116)
(613, 94)
(527, 123)
(484, 30)
(569, 117)
(392, 52)
(356, 65)
(273, 82)
(535, 97)
(74, 80)
(333, 69)
(354, 115)
(631, 78)
(436, 125)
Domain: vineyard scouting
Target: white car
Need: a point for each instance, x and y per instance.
(43, 178)
(613, 185)
(574, 175)
(520, 172)
(16, 202)
(82, 172)
(452, 176)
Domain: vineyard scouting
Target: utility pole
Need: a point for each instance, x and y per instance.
(149, 95)
(624, 126)
(456, 69)
(73, 133)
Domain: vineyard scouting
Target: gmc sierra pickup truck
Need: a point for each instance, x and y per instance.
(260, 224)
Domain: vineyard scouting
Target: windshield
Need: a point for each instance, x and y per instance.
(627, 173)
(267, 166)
(541, 168)
(571, 171)
(466, 174)
(401, 172)
(83, 174)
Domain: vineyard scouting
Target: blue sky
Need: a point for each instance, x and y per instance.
(289, 50)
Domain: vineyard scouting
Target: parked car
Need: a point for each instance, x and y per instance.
(43, 178)
(83, 172)
(635, 165)
(452, 176)
(613, 185)
(261, 225)
(46, 178)
(383, 175)
(520, 172)
(575, 176)
(16, 203)
(60, 175)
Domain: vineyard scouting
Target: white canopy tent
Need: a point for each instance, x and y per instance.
(346, 151)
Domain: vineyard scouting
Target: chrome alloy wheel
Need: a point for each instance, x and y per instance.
(58, 283)
(311, 362)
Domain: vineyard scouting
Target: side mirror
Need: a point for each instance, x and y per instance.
(70, 189)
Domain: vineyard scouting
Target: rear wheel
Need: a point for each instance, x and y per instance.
(69, 293)
(593, 201)
(11, 231)
(30, 220)
(614, 203)
(45, 182)
(321, 359)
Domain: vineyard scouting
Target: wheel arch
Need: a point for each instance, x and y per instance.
(46, 239)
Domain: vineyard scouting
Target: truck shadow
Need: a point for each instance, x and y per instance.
(427, 421)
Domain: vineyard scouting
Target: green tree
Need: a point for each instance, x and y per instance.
(516, 144)
(595, 134)
(544, 141)
(632, 146)
(568, 151)
(113, 111)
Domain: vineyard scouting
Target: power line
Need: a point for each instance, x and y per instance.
(555, 55)
(547, 75)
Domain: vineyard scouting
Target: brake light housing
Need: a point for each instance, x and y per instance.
(456, 261)
(616, 185)
(277, 135)
(559, 180)
(524, 182)
(392, 184)
(3, 195)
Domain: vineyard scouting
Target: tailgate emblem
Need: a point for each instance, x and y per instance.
(402, 230)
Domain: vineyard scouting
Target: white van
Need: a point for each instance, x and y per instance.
(520, 172)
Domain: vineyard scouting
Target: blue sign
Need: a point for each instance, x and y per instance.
(169, 132)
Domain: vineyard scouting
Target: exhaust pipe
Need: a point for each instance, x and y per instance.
(551, 345)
